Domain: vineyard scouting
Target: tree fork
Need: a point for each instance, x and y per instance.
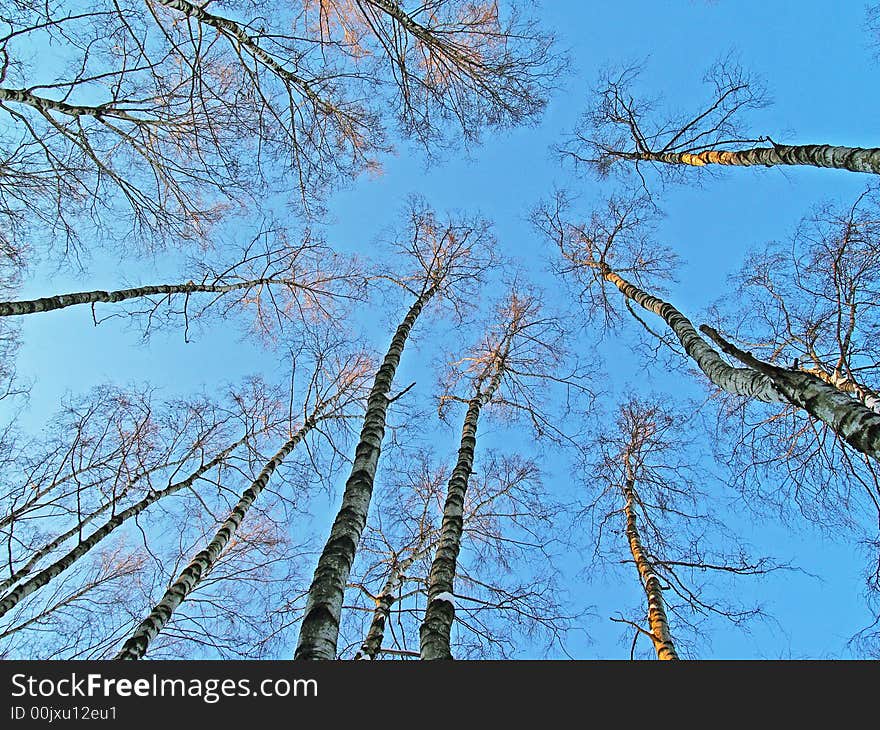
(384, 601)
(858, 425)
(737, 381)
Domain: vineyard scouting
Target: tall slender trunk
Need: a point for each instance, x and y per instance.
(847, 417)
(244, 40)
(319, 631)
(856, 159)
(436, 627)
(658, 623)
(384, 601)
(46, 304)
(33, 500)
(19, 573)
(851, 420)
(59, 566)
(138, 643)
(738, 381)
(35, 558)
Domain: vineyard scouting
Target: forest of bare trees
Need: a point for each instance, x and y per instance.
(270, 390)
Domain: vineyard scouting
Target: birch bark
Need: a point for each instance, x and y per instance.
(11, 599)
(384, 601)
(244, 40)
(138, 643)
(434, 633)
(738, 381)
(658, 622)
(60, 301)
(856, 159)
(319, 632)
(858, 425)
(866, 396)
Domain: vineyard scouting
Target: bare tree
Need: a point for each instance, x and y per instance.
(622, 127)
(162, 115)
(649, 495)
(815, 298)
(330, 395)
(273, 280)
(450, 61)
(448, 261)
(522, 349)
(63, 622)
(585, 251)
(119, 462)
(508, 590)
(235, 611)
(809, 304)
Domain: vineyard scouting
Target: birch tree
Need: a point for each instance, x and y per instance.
(236, 611)
(509, 591)
(626, 127)
(277, 281)
(524, 348)
(813, 298)
(330, 395)
(116, 465)
(161, 116)
(62, 623)
(442, 262)
(649, 511)
(811, 304)
(585, 249)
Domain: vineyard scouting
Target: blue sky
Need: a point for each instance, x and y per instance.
(818, 66)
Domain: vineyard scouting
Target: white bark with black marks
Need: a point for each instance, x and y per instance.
(657, 620)
(737, 381)
(319, 632)
(856, 424)
(199, 567)
(855, 159)
(60, 301)
(436, 628)
(11, 599)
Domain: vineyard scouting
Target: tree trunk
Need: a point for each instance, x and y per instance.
(847, 417)
(44, 105)
(204, 561)
(59, 566)
(46, 304)
(384, 601)
(658, 624)
(393, 10)
(434, 633)
(738, 381)
(17, 575)
(319, 632)
(867, 397)
(54, 543)
(857, 425)
(856, 159)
